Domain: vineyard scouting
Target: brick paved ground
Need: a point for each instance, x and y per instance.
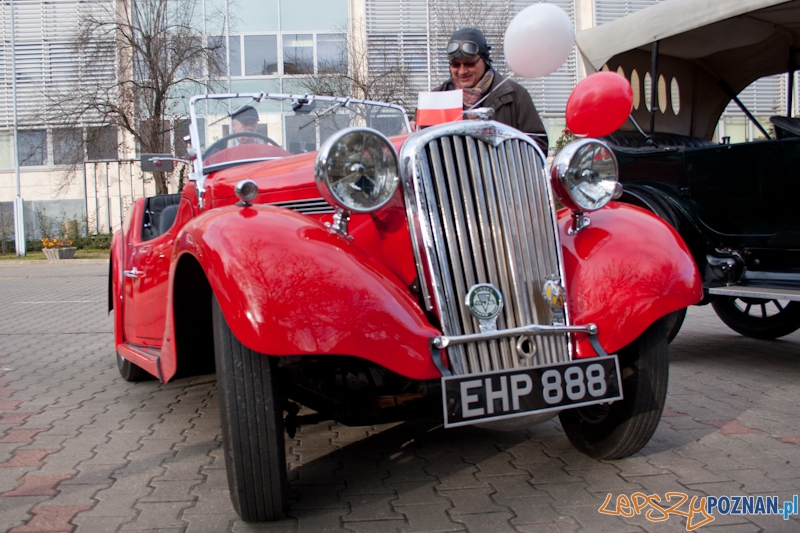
(83, 450)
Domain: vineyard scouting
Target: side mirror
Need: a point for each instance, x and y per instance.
(157, 162)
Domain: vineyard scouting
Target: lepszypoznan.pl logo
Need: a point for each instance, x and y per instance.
(701, 510)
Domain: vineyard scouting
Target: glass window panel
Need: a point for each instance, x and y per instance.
(298, 53)
(32, 148)
(331, 53)
(236, 56)
(101, 143)
(260, 55)
(182, 131)
(314, 15)
(300, 140)
(255, 15)
(67, 146)
(6, 159)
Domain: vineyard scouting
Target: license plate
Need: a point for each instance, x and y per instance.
(504, 394)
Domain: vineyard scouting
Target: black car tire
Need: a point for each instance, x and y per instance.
(252, 425)
(735, 313)
(673, 323)
(131, 372)
(619, 429)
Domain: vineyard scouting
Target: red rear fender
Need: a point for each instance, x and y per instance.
(288, 286)
(625, 271)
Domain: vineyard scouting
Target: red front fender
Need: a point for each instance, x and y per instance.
(288, 286)
(625, 271)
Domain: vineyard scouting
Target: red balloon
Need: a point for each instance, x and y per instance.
(599, 104)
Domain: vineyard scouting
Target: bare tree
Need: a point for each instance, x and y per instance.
(160, 57)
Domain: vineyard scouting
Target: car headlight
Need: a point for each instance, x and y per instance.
(357, 170)
(584, 175)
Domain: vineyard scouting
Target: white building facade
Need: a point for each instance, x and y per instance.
(267, 40)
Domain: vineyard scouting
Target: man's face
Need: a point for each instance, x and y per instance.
(246, 125)
(468, 71)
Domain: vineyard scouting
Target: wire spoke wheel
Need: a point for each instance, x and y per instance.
(759, 318)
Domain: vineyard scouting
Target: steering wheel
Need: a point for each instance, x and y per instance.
(221, 144)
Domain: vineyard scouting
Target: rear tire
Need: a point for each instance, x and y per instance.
(252, 425)
(623, 427)
(131, 372)
(757, 317)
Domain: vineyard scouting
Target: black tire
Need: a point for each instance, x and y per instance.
(622, 428)
(252, 426)
(131, 372)
(757, 317)
(673, 323)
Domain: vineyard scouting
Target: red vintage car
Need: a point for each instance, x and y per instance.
(385, 277)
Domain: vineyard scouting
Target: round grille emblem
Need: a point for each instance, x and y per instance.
(484, 301)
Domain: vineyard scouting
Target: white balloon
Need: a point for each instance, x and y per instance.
(538, 41)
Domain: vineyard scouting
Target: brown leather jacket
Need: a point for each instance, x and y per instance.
(513, 106)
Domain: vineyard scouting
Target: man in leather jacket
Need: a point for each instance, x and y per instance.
(471, 70)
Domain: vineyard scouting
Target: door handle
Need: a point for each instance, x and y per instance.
(133, 273)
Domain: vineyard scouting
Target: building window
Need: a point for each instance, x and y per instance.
(6, 158)
(260, 55)
(331, 53)
(32, 148)
(101, 143)
(298, 53)
(67, 146)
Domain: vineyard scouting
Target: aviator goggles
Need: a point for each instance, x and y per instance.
(468, 48)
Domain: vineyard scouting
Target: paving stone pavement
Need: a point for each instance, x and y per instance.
(83, 450)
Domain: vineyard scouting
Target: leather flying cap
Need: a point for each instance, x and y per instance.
(246, 113)
(462, 41)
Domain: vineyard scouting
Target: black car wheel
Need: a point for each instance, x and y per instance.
(131, 372)
(758, 317)
(252, 426)
(619, 429)
(673, 323)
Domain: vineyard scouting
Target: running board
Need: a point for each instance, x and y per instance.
(145, 357)
(757, 292)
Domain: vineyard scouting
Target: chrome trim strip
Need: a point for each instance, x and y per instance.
(306, 206)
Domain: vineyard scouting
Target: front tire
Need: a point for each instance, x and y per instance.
(673, 323)
(623, 427)
(757, 317)
(252, 425)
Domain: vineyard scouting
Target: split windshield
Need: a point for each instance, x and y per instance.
(233, 129)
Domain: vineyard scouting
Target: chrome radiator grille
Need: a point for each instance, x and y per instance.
(480, 211)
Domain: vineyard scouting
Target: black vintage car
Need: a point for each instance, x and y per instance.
(734, 204)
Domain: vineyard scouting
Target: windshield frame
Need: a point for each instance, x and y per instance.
(198, 173)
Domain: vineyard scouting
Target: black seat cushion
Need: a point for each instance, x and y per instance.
(167, 218)
(634, 139)
(786, 126)
(152, 213)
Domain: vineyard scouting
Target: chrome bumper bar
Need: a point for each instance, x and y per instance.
(444, 341)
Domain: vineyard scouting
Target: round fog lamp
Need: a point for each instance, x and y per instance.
(246, 191)
(357, 170)
(584, 175)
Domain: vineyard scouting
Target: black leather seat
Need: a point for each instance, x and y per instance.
(167, 218)
(153, 208)
(634, 139)
(786, 126)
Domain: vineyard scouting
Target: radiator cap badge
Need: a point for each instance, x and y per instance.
(485, 302)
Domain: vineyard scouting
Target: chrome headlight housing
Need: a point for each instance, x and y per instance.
(584, 175)
(357, 170)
